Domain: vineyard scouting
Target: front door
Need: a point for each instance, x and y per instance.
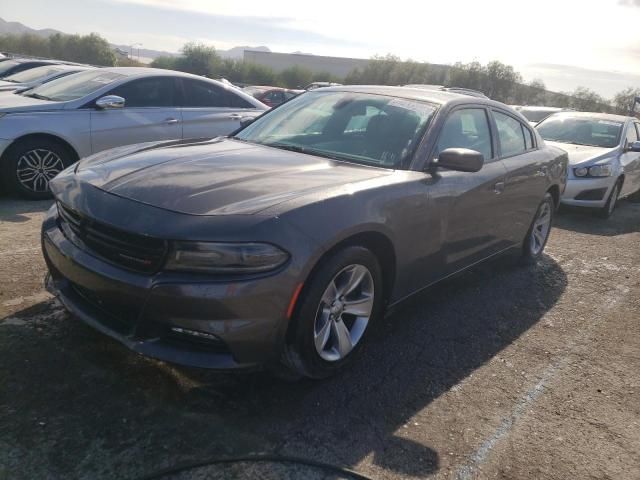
(149, 114)
(630, 162)
(470, 206)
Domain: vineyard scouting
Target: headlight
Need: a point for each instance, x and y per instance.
(224, 257)
(581, 172)
(600, 170)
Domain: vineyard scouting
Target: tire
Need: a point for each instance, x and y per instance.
(538, 234)
(313, 348)
(27, 166)
(609, 207)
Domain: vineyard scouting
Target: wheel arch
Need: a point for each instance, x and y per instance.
(554, 190)
(48, 136)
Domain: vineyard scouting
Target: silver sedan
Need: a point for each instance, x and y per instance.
(47, 128)
(604, 157)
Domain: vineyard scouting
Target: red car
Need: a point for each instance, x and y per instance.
(271, 96)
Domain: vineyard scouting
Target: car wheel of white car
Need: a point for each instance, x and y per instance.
(29, 166)
(610, 206)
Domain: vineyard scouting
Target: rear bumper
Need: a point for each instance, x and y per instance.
(580, 188)
(242, 321)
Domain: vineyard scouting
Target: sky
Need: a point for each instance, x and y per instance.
(566, 43)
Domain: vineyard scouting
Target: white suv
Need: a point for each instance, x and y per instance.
(46, 129)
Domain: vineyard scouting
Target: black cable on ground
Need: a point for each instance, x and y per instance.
(183, 467)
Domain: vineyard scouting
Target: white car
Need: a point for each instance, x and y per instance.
(534, 115)
(47, 128)
(604, 157)
(37, 76)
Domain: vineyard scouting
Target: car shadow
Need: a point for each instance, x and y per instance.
(107, 412)
(16, 210)
(625, 219)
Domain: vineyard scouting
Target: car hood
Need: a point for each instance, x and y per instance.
(14, 103)
(216, 177)
(583, 153)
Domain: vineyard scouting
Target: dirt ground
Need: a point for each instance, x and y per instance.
(504, 372)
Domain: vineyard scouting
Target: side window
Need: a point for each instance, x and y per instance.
(510, 133)
(203, 94)
(147, 92)
(238, 102)
(466, 128)
(275, 96)
(632, 135)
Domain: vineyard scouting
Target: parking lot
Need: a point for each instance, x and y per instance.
(503, 372)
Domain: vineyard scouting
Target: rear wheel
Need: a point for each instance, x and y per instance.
(337, 308)
(538, 234)
(612, 201)
(28, 166)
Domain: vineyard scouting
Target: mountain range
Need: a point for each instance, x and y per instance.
(17, 28)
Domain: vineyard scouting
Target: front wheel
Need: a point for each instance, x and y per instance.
(28, 166)
(612, 201)
(339, 304)
(538, 233)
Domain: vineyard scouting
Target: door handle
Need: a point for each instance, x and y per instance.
(498, 188)
(235, 116)
(171, 121)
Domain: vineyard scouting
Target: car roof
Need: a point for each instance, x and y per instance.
(595, 115)
(432, 96)
(152, 72)
(534, 108)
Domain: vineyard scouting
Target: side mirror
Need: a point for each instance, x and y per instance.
(460, 159)
(246, 121)
(633, 147)
(109, 102)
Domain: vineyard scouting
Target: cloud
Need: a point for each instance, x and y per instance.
(629, 3)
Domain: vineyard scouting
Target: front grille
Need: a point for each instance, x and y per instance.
(132, 251)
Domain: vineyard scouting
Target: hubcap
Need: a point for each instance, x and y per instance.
(344, 312)
(541, 227)
(36, 167)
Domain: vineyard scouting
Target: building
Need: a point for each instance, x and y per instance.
(336, 66)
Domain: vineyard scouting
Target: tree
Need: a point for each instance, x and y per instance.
(624, 101)
(587, 100)
(91, 49)
(295, 77)
(199, 59)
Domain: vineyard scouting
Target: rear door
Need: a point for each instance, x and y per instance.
(149, 114)
(526, 180)
(470, 205)
(209, 110)
(630, 162)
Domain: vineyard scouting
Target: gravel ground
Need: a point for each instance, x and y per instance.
(503, 372)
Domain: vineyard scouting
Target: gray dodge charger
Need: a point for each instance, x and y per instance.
(281, 245)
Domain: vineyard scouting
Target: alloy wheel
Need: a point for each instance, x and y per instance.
(344, 312)
(37, 167)
(541, 228)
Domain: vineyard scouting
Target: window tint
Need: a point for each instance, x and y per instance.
(632, 135)
(275, 96)
(466, 128)
(510, 133)
(147, 92)
(205, 94)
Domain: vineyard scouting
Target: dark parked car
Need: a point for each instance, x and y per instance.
(271, 96)
(282, 244)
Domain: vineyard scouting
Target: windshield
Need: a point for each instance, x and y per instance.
(536, 115)
(33, 74)
(581, 131)
(7, 65)
(74, 86)
(355, 127)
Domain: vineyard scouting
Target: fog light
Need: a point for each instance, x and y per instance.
(195, 333)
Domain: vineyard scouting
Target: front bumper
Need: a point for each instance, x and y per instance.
(581, 187)
(243, 320)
